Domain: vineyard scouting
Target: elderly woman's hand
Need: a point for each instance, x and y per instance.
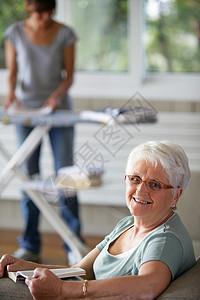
(45, 285)
(10, 263)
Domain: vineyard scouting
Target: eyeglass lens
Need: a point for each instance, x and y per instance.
(152, 185)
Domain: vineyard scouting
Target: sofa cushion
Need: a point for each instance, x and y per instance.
(196, 244)
(185, 287)
(10, 290)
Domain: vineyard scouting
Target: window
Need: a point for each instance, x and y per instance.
(103, 46)
(10, 11)
(122, 49)
(172, 36)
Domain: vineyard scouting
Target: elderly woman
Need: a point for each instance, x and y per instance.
(146, 250)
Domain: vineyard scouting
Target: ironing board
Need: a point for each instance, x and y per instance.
(41, 125)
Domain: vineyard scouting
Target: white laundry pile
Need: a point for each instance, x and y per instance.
(125, 115)
(16, 110)
(79, 178)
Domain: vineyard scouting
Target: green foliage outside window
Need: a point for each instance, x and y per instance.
(103, 34)
(10, 11)
(172, 36)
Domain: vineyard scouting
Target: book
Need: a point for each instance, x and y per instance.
(60, 273)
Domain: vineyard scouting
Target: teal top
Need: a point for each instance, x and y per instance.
(169, 243)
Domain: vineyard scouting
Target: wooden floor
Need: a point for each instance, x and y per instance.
(52, 250)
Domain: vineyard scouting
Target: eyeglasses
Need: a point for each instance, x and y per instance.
(152, 185)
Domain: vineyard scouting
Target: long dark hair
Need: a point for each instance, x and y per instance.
(43, 5)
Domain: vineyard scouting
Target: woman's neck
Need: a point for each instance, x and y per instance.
(35, 26)
(141, 225)
(41, 36)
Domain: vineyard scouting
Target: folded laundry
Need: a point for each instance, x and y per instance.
(78, 178)
(126, 115)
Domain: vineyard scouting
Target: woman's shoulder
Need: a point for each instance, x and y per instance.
(66, 27)
(124, 223)
(172, 232)
(14, 28)
(68, 34)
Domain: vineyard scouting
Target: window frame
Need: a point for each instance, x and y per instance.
(153, 86)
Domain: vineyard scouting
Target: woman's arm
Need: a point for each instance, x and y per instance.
(153, 279)
(87, 263)
(59, 93)
(11, 65)
(15, 264)
(10, 263)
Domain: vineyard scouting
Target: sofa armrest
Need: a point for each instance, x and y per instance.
(185, 287)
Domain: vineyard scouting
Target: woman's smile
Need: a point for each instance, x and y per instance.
(141, 201)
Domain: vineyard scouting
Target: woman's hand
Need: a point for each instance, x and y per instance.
(45, 285)
(11, 263)
(54, 102)
(11, 98)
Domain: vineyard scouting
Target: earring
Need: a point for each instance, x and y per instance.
(174, 207)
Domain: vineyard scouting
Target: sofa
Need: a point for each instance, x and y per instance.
(188, 209)
(185, 287)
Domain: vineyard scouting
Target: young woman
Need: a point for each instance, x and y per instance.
(40, 55)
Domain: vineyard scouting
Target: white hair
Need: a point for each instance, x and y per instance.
(170, 156)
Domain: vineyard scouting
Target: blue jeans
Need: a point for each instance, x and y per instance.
(62, 146)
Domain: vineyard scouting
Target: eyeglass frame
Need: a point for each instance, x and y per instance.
(165, 186)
